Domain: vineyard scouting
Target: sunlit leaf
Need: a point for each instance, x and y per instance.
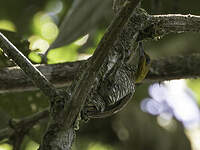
(195, 86)
(32, 145)
(35, 57)
(7, 25)
(37, 43)
(44, 26)
(99, 146)
(5, 147)
(63, 54)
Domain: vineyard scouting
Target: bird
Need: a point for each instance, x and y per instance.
(118, 84)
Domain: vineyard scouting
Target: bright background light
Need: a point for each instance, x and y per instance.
(174, 99)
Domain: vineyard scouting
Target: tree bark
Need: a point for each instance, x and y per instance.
(13, 79)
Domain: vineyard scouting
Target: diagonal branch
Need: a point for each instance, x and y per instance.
(22, 124)
(31, 71)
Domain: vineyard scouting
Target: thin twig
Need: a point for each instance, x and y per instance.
(27, 122)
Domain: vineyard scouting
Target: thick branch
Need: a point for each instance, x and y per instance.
(13, 79)
(176, 67)
(176, 23)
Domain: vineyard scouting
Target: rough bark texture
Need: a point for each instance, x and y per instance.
(14, 79)
(178, 67)
(31, 71)
(176, 23)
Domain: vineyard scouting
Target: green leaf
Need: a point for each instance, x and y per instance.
(63, 54)
(194, 85)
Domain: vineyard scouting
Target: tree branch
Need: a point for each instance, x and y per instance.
(24, 124)
(13, 79)
(176, 67)
(31, 71)
(172, 23)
